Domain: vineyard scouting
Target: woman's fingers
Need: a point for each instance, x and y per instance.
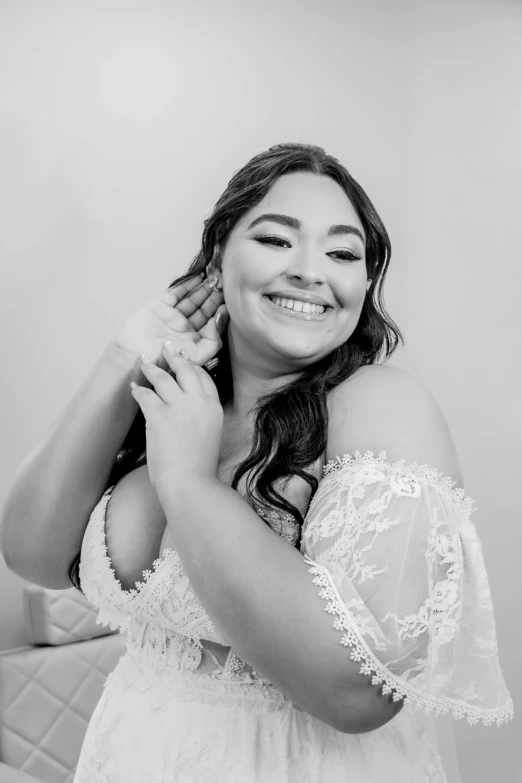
(187, 378)
(206, 310)
(211, 337)
(172, 317)
(147, 399)
(198, 304)
(178, 292)
(189, 375)
(207, 384)
(162, 383)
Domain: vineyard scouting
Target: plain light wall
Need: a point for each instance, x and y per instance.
(121, 124)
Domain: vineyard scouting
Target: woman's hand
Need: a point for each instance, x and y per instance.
(185, 315)
(183, 420)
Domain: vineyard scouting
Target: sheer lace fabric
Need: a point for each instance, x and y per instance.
(401, 569)
(397, 564)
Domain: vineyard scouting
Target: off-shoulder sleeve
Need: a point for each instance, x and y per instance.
(398, 563)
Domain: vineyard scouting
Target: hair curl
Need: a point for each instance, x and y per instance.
(301, 405)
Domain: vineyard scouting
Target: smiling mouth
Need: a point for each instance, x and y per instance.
(299, 314)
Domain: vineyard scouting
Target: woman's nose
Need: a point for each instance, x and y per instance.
(308, 267)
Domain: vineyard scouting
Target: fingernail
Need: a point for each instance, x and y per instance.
(169, 347)
(145, 359)
(211, 282)
(218, 319)
(183, 353)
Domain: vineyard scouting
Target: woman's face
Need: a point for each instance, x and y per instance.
(305, 253)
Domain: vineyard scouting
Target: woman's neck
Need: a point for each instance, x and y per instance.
(254, 374)
(250, 383)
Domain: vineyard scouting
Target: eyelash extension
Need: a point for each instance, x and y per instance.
(345, 255)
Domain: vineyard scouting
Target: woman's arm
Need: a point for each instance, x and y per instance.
(59, 483)
(258, 591)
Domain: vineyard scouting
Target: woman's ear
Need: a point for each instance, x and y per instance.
(213, 268)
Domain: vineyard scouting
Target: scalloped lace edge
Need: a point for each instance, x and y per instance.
(423, 473)
(99, 541)
(371, 666)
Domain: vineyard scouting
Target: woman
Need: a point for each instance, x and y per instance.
(301, 585)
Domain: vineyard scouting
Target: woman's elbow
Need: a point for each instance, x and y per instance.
(365, 710)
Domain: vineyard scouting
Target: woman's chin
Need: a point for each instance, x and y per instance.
(302, 351)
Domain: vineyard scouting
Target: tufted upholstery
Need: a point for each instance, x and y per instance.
(48, 690)
(11, 775)
(59, 616)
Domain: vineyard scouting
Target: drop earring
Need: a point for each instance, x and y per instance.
(214, 282)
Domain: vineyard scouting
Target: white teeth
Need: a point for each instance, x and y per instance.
(293, 304)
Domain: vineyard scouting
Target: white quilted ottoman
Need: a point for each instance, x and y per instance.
(49, 689)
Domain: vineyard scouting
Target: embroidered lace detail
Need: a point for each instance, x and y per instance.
(283, 524)
(167, 685)
(92, 770)
(379, 674)
(433, 768)
(196, 763)
(383, 538)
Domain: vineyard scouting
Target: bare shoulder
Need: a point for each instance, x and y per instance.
(384, 408)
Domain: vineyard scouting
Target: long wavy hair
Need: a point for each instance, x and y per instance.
(291, 423)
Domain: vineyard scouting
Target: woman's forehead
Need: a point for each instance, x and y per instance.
(310, 200)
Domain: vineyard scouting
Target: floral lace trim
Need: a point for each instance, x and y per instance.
(420, 473)
(100, 552)
(371, 666)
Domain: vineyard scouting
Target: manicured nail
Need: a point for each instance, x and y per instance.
(211, 282)
(169, 347)
(183, 353)
(145, 359)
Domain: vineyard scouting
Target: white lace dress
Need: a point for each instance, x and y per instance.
(399, 567)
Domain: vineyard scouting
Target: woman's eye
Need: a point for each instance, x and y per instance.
(346, 255)
(279, 241)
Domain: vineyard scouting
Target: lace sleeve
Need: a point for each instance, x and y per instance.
(400, 567)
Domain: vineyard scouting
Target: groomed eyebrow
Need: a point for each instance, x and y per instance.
(294, 223)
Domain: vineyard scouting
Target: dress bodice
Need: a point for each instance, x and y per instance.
(397, 564)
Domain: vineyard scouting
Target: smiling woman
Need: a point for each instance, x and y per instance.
(319, 255)
(306, 596)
